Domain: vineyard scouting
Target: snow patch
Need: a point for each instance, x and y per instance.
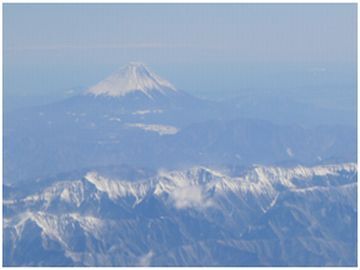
(118, 188)
(143, 112)
(160, 129)
(71, 192)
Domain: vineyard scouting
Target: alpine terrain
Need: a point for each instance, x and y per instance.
(135, 172)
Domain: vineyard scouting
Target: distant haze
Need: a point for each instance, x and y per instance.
(214, 51)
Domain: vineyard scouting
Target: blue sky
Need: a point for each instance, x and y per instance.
(48, 48)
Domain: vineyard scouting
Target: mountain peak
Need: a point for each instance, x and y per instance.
(135, 76)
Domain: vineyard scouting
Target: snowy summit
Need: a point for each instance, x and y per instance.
(133, 77)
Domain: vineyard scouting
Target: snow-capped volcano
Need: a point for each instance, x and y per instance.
(134, 77)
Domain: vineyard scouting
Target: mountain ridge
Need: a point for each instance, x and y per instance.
(186, 215)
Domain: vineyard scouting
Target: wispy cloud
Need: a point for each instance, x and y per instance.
(190, 197)
(146, 259)
(64, 46)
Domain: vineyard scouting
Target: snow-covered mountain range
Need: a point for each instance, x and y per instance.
(186, 217)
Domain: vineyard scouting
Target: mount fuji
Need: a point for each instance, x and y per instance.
(134, 91)
(135, 77)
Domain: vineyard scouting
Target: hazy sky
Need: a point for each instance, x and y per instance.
(53, 47)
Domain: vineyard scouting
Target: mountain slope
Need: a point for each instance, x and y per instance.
(83, 141)
(135, 77)
(200, 216)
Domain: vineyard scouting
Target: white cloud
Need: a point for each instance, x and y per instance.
(190, 197)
